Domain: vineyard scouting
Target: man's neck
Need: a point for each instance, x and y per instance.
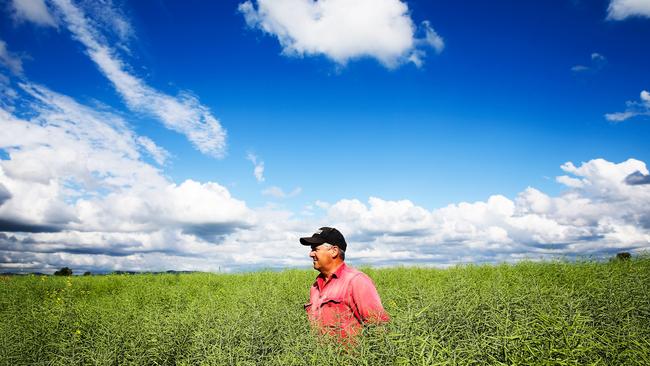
(328, 273)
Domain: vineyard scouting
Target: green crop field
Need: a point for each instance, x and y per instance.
(529, 313)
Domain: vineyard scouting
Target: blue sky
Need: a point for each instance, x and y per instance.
(442, 124)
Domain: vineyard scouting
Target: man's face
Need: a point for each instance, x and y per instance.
(321, 255)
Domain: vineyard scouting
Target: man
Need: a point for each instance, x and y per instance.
(342, 299)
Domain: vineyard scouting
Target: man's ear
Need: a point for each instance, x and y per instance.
(337, 252)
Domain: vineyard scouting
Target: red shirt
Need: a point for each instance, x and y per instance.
(344, 303)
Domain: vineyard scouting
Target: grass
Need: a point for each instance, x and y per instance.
(557, 313)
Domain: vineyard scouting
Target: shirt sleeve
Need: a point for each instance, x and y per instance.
(367, 301)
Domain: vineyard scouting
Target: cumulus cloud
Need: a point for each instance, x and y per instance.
(570, 181)
(69, 147)
(74, 185)
(344, 30)
(622, 9)
(258, 169)
(76, 191)
(199, 226)
(599, 213)
(35, 11)
(278, 192)
(183, 113)
(634, 109)
(163, 249)
(10, 60)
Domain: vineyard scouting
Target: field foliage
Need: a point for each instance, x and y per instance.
(530, 313)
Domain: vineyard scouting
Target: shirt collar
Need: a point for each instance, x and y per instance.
(339, 270)
(320, 280)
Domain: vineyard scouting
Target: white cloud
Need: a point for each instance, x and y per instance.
(598, 61)
(258, 169)
(161, 225)
(202, 209)
(183, 114)
(10, 60)
(393, 217)
(110, 18)
(580, 68)
(159, 154)
(75, 186)
(570, 182)
(622, 9)
(645, 97)
(344, 30)
(634, 109)
(620, 116)
(35, 11)
(432, 38)
(322, 204)
(598, 57)
(599, 214)
(75, 191)
(277, 192)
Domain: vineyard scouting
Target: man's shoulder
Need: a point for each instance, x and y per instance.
(355, 275)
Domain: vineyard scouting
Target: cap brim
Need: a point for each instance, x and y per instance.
(311, 240)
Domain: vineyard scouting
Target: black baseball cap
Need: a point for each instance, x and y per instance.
(327, 235)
